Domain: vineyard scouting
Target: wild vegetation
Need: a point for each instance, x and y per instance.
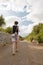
(36, 34)
(2, 21)
(8, 29)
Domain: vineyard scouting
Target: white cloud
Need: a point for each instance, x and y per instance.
(36, 10)
(19, 4)
(25, 30)
(10, 20)
(16, 5)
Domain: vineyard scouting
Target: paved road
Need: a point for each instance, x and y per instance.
(28, 54)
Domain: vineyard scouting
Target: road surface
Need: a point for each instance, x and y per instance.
(27, 54)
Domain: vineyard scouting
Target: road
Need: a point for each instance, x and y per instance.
(27, 54)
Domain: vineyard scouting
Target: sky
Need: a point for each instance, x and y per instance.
(27, 12)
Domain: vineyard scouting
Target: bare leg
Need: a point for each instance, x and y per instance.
(16, 45)
(13, 47)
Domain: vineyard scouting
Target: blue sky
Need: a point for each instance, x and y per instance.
(27, 12)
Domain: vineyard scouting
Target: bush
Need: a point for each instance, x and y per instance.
(2, 29)
(21, 38)
(37, 33)
(8, 30)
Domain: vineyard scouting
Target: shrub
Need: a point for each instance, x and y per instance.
(8, 30)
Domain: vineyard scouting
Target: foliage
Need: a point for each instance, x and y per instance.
(2, 21)
(37, 33)
(21, 38)
(2, 29)
(8, 30)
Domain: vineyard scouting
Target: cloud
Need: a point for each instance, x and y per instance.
(36, 10)
(26, 22)
(15, 5)
(27, 12)
(10, 20)
(13, 13)
(5, 5)
(25, 30)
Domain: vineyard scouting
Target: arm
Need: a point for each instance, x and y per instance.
(18, 29)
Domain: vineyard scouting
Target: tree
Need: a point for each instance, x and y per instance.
(37, 33)
(2, 21)
(36, 29)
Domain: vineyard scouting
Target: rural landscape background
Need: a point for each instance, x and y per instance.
(29, 14)
(36, 34)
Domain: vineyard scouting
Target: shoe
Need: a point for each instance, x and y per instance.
(16, 50)
(13, 54)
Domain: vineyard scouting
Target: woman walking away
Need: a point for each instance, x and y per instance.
(15, 37)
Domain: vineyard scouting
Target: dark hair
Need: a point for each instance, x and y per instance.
(16, 22)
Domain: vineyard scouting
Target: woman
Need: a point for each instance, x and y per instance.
(15, 37)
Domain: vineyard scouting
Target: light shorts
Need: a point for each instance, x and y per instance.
(15, 37)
